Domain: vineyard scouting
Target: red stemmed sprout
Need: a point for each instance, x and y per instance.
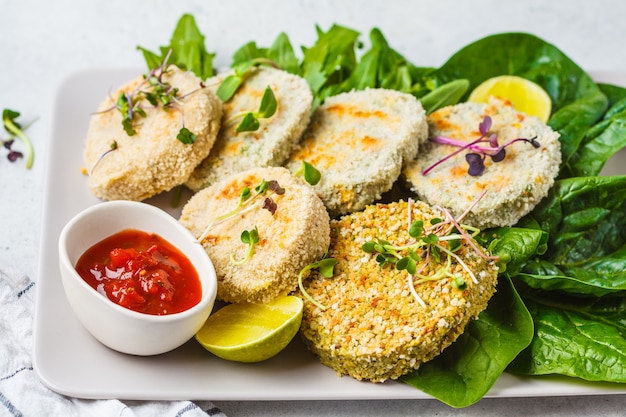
(479, 152)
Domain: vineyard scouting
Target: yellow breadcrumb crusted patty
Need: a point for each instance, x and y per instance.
(152, 160)
(373, 327)
(295, 235)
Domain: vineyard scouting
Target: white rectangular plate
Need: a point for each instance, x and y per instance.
(71, 362)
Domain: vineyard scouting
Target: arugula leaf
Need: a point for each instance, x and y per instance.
(465, 371)
(188, 50)
(577, 337)
(330, 61)
(280, 53)
(447, 94)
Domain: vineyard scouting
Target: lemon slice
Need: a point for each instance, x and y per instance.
(247, 332)
(525, 95)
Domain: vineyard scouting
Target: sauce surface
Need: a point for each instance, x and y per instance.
(142, 272)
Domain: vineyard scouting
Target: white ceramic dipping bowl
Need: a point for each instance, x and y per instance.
(117, 327)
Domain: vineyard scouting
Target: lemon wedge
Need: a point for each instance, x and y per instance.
(525, 95)
(246, 332)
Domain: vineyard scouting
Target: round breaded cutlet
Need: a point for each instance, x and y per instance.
(152, 160)
(511, 187)
(359, 142)
(295, 235)
(373, 327)
(271, 144)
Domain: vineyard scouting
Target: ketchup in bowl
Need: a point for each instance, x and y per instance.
(142, 272)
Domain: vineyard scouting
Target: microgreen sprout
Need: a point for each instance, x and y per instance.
(112, 148)
(16, 130)
(476, 158)
(310, 173)
(248, 201)
(433, 244)
(229, 86)
(250, 238)
(158, 94)
(250, 119)
(326, 267)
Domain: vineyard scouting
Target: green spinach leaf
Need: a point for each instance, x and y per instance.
(584, 219)
(514, 246)
(465, 371)
(577, 337)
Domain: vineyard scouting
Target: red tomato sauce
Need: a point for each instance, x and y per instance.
(142, 272)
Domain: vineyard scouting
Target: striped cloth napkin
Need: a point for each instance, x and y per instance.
(21, 392)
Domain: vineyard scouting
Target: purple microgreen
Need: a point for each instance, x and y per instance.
(270, 205)
(484, 126)
(476, 164)
(275, 186)
(476, 159)
(16, 130)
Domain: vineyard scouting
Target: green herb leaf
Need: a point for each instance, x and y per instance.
(228, 87)
(311, 174)
(249, 123)
(326, 267)
(186, 136)
(15, 130)
(268, 104)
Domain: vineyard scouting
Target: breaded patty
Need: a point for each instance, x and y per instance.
(373, 327)
(513, 186)
(359, 142)
(276, 137)
(296, 235)
(153, 160)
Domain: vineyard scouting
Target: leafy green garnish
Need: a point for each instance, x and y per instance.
(310, 173)
(16, 130)
(250, 119)
(159, 94)
(187, 50)
(250, 238)
(326, 267)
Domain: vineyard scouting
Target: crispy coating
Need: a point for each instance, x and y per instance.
(373, 328)
(296, 235)
(359, 141)
(513, 186)
(276, 137)
(153, 160)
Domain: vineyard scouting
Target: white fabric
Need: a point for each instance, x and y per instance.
(21, 392)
